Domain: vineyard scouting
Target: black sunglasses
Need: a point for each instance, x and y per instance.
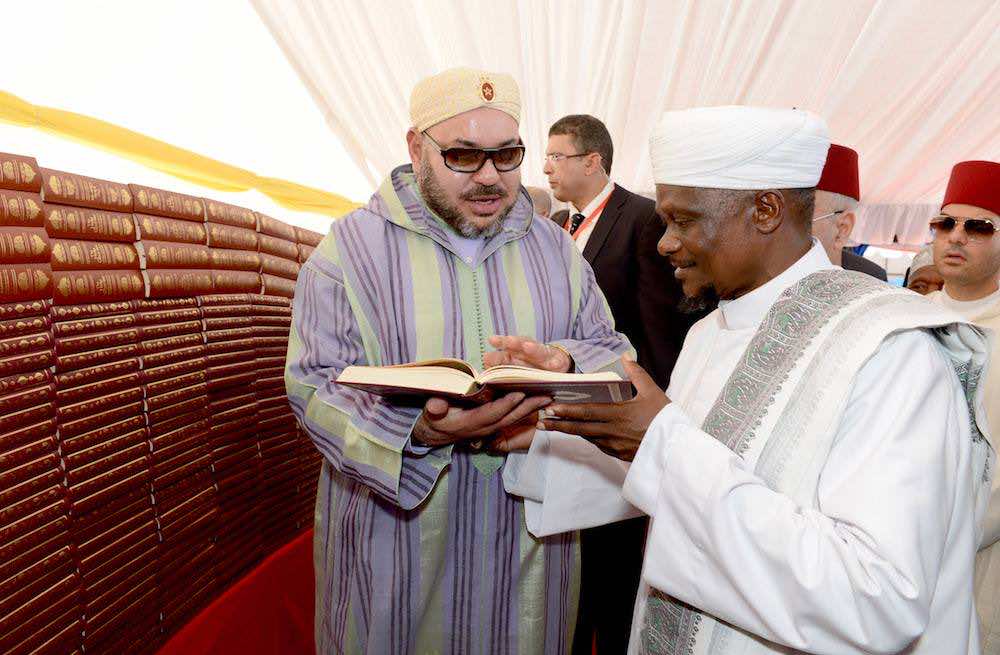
(470, 160)
(976, 228)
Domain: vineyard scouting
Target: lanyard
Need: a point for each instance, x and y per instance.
(587, 221)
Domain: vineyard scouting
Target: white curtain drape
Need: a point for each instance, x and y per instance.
(911, 84)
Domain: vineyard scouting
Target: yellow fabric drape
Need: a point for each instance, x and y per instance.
(167, 158)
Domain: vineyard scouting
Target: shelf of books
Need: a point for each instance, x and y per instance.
(148, 455)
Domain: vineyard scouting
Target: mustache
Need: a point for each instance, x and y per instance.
(484, 191)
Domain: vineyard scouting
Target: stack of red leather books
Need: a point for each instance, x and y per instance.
(279, 253)
(227, 323)
(25, 273)
(89, 222)
(235, 261)
(276, 426)
(104, 445)
(173, 242)
(175, 393)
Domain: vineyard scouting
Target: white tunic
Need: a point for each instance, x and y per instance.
(882, 563)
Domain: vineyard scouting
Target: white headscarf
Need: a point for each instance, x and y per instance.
(738, 147)
(923, 258)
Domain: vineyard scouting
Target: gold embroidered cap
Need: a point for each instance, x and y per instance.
(458, 90)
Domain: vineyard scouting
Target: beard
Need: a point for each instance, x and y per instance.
(437, 200)
(704, 300)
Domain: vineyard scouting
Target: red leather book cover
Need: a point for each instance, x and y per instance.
(69, 413)
(178, 342)
(76, 287)
(92, 374)
(18, 498)
(98, 341)
(222, 212)
(183, 367)
(108, 478)
(178, 282)
(75, 255)
(275, 228)
(276, 362)
(235, 260)
(270, 300)
(25, 363)
(26, 417)
(25, 282)
(82, 191)
(96, 389)
(70, 429)
(279, 247)
(160, 228)
(227, 322)
(104, 449)
(193, 404)
(24, 245)
(304, 252)
(65, 222)
(20, 209)
(65, 363)
(22, 381)
(19, 173)
(165, 426)
(40, 450)
(244, 345)
(40, 395)
(212, 336)
(163, 304)
(80, 474)
(278, 285)
(19, 436)
(167, 254)
(178, 440)
(187, 380)
(85, 326)
(153, 361)
(161, 401)
(168, 316)
(274, 321)
(218, 311)
(235, 281)
(272, 310)
(308, 237)
(236, 380)
(89, 310)
(147, 332)
(25, 471)
(233, 357)
(271, 331)
(103, 496)
(245, 400)
(227, 236)
(274, 265)
(160, 202)
(24, 344)
(102, 434)
(224, 299)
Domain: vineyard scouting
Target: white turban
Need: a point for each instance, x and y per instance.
(739, 148)
(923, 258)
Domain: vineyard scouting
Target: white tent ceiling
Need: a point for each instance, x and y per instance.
(911, 84)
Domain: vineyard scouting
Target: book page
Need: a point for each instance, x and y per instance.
(445, 362)
(524, 374)
(444, 379)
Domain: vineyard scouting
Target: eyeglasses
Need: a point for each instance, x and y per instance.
(557, 157)
(976, 228)
(470, 160)
(819, 218)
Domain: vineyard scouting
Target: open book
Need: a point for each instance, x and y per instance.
(459, 382)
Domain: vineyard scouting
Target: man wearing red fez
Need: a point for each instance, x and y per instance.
(967, 254)
(837, 194)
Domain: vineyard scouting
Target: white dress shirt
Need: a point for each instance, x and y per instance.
(584, 234)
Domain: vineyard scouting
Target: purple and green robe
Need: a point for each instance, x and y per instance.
(420, 550)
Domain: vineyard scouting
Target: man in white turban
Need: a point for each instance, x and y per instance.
(800, 503)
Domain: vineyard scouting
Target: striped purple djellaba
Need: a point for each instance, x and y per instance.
(420, 550)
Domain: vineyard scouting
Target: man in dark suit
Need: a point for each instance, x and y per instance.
(617, 232)
(837, 194)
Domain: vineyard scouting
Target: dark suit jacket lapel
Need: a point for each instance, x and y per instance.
(605, 223)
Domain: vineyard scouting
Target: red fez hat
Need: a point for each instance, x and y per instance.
(974, 183)
(840, 173)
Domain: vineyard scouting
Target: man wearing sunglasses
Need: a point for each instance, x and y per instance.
(419, 547)
(837, 194)
(967, 255)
